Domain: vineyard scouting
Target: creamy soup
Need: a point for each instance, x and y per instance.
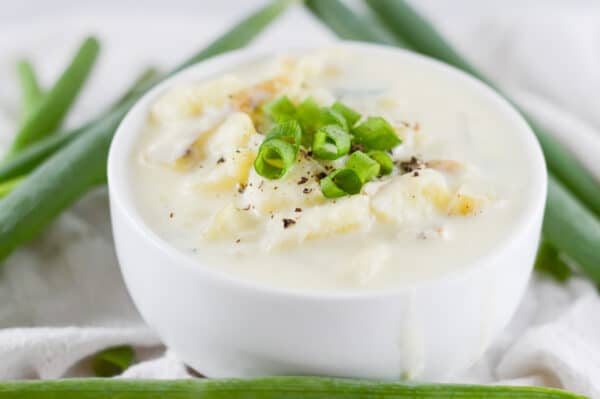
(457, 183)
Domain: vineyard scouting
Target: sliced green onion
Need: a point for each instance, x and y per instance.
(348, 113)
(340, 183)
(329, 116)
(280, 109)
(308, 114)
(384, 160)
(366, 167)
(548, 261)
(275, 157)
(376, 134)
(289, 131)
(113, 361)
(331, 142)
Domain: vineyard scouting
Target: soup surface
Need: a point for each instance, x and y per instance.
(458, 179)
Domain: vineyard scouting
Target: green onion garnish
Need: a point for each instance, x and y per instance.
(331, 142)
(280, 109)
(365, 167)
(289, 131)
(275, 157)
(376, 134)
(340, 183)
(384, 160)
(308, 114)
(329, 116)
(278, 152)
(348, 113)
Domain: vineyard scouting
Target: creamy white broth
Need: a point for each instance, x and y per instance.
(437, 118)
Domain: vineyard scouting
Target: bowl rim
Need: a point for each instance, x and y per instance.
(120, 194)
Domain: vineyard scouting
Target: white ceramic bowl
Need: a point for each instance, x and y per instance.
(224, 327)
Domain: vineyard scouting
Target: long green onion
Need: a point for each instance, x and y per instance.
(548, 261)
(31, 156)
(331, 142)
(340, 183)
(386, 164)
(572, 228)
(241, 34)
(266, 388)
(8, 185)
(53, 107)
(30, 88)
(410, 26)
(376, 134)
(345, 23)
(81, 165)
(113, 361)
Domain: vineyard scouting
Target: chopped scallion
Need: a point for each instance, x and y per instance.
(376, 134)
(348, 113)
(280, 109)
(384, 160)
(278, 152)
(364, 166)
(289, 131)
(340, 183)
(308, 115)
(329, 116)
(331, 142)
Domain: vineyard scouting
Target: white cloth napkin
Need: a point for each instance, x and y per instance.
(62, 298)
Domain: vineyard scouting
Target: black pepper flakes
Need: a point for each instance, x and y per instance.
(220, 160)
(412, 165)
(288, 222)
(171, 215)
(302, 180)
(238, 241)
(307, 190)
(241, 188)
(298, 210)
(320, 176)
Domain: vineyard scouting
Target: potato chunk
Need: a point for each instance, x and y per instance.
(338, 217)
(190, 100)
(410, 198)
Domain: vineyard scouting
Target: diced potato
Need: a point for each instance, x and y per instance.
(338, 217)
(408, 199)
(227, 173)
(232, 134)
(298, 189)
(462, 204)
(190, 100)
(230, 222)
